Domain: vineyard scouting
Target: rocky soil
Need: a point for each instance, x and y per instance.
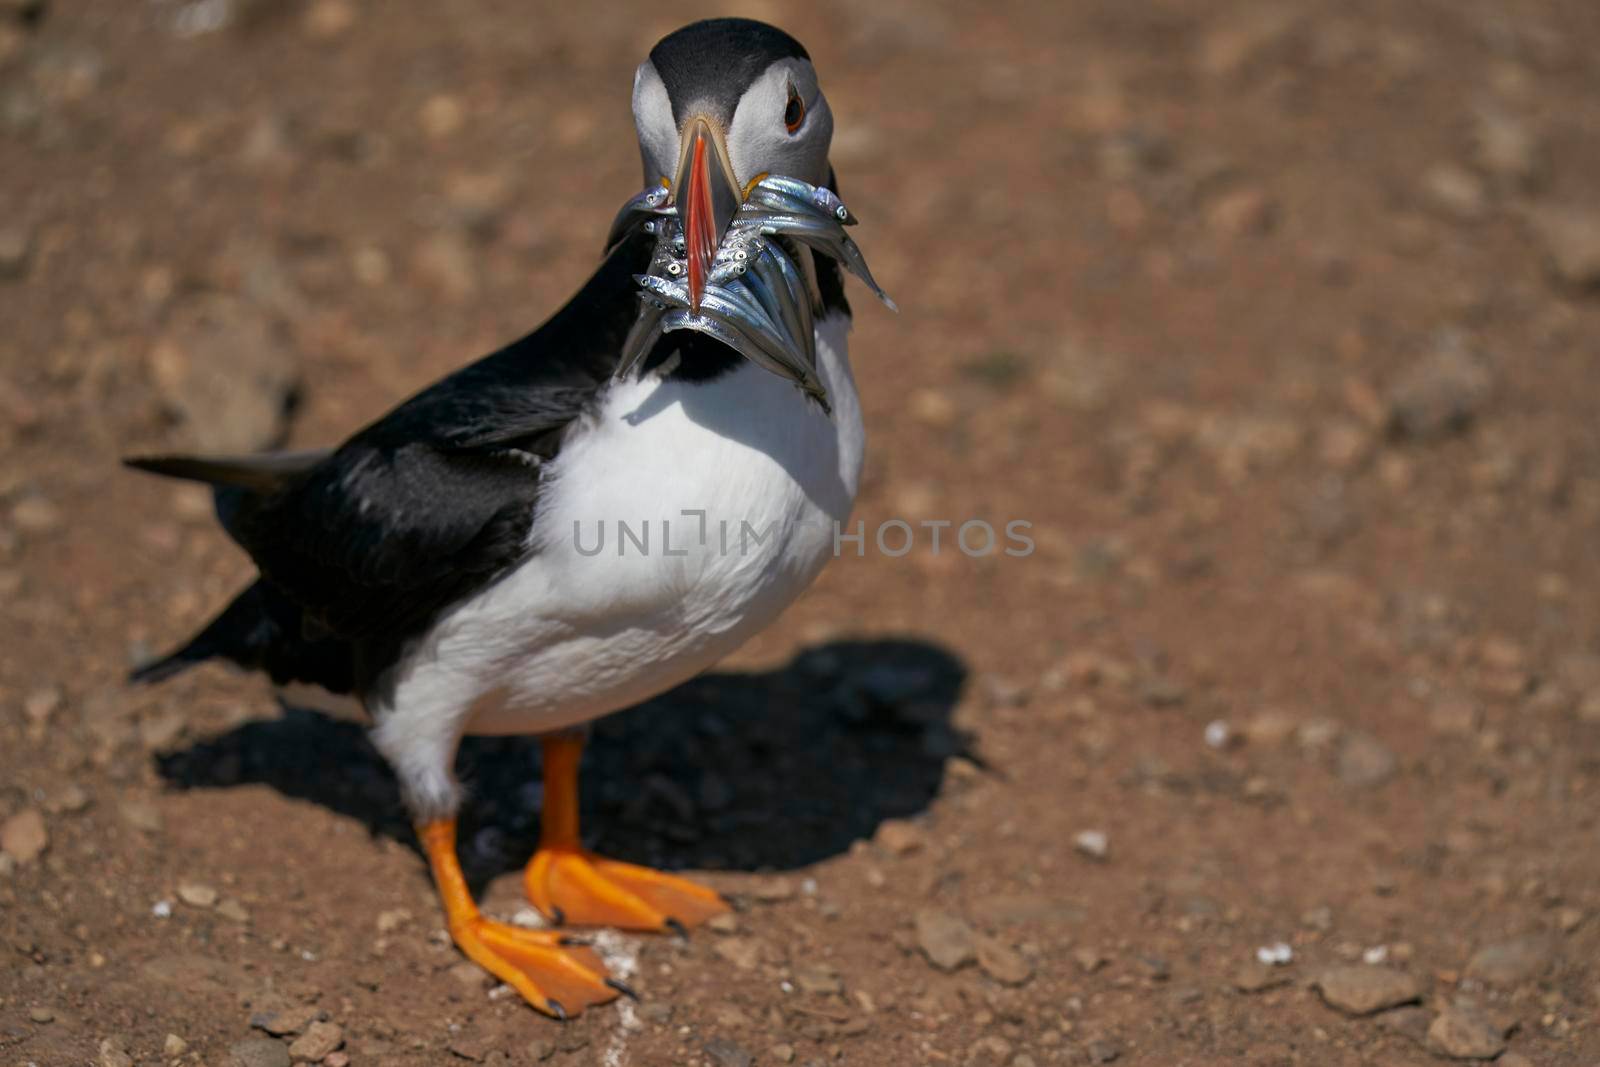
(1277, 321)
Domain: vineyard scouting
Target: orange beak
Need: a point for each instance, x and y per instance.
(707, 197)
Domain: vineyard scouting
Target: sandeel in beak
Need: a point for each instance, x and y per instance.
(721, 266)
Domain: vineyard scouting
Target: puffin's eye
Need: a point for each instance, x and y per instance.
(795, 113)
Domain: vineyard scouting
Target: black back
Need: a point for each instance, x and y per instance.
(434, 500)
(711, 63)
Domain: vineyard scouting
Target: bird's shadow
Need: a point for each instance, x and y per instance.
(732, 771)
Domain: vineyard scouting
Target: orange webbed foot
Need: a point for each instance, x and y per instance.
(573, 885)
(570, 884)
(554, 973)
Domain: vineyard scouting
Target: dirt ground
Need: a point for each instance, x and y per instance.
(1276, 321)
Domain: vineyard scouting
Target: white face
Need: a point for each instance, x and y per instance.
(759, 138)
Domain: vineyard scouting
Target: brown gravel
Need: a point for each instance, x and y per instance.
(1276, 321)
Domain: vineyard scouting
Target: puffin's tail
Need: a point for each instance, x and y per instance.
(240, 635)
(262, 631)
(259, 473)
(236, 481)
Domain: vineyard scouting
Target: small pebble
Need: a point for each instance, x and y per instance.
(197, 895)
(441, 116)
(23, 836)
(162, 909)
(392, 920)
(174, 1045)
(818, 978)
(40, 704)
(1454, 716)
(69, 798)
(1507, 149)
(1455, 191)
(1241, 213)
(1510, 963)
(1410, 1023)
(16, 249)
(41, 1015)
(1002, 962)
(900, 837)
(945, 939)
(1256, 977)
(1103, 1052)
(1092, 843)
(142, 815)
(1276, 954)
(1464, 1034)
(1362, 990)
(725, 923)
(773, 890)
(258, 1052)
(287, 1020)
(233, 911)
(318, 1041)
(989, 1050)
(327, 19)
(1269, 728)
(743, 952)
(1365, 762)
(35, 514)
(114, 1054)
(1571, 238)
(1441, 392)
(725, 1053)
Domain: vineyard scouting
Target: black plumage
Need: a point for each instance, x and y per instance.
(360, 549)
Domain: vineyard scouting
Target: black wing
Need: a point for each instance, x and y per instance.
(436, 498)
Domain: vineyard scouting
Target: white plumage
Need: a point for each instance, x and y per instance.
(573, 634)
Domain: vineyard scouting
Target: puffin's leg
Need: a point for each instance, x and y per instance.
(554, 974)
(570, 884)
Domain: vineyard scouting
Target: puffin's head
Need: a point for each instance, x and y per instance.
(718, 105)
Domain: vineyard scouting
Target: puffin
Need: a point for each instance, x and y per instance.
(590, 515)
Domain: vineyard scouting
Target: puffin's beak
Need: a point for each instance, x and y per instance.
(707, 195)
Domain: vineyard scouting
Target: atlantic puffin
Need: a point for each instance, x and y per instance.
(441, 564)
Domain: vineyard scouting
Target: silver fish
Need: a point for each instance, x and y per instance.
(651, 203)
(829, 239)
(780, 274)
(757, 299)
(740, 309)
(642, 335)
(795, 196)
(735, 307)
(718, 328)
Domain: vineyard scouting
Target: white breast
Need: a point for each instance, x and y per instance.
(675, 523)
